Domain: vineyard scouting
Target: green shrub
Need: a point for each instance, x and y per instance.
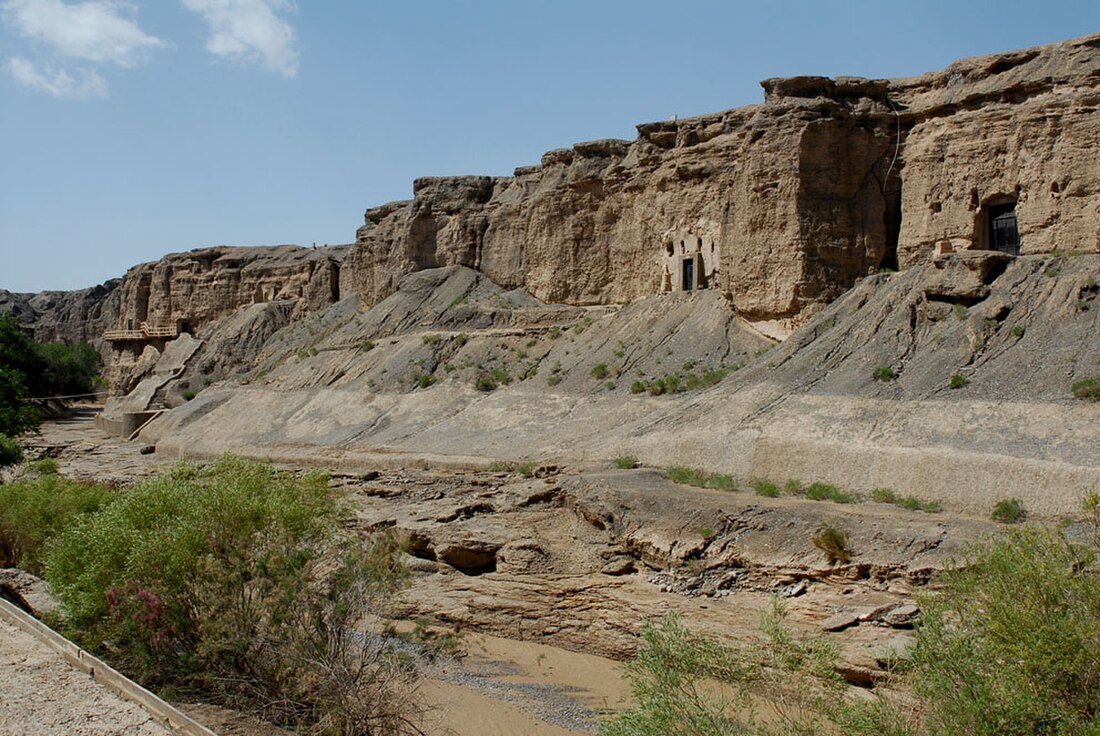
(706, 532)
(424, 380)
(1018, 330)
(188, 394)
(792, 487)
(819, 491)
(626, 462)
(1087, 389)
(431, 340)
(1009, 645)
(554, 333)
(45, 466)
(486, 382)
(553, 379)
(885, 374)
(834, 543)
(887, 495)
(11, 452)
(637, 387)
(765, 488)
(600, 371)
(35, 510)
(234, 581)
(700, 478)
(1009, 511)
(366, 346)
(961, 312)
(958, 380)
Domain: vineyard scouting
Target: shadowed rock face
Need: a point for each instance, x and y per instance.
(788, 202)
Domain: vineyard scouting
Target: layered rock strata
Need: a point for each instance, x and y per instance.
(782, 205)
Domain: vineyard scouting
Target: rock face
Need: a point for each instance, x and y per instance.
(67, 316)
(200, 286)
(782, 205)
(191, 292)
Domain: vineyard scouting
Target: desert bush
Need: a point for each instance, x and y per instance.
(958, 380)
(485, 382)
(188, 394)
(431, 340)
(1087, 388)
(235, 581)
(1009, 645)
(888, 495)
(637, 387)
(834, 543)
(818, 491)
(765, 488)
(700, 478)
(366, 346)
(34, 510)
(885, 374)
(11, 452)
(626, 462)
(1009, 511)
(424, 380)
(674, 674)
(600, 371)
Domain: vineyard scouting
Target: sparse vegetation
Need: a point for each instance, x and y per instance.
(431, 340)
(626, 462)
(958, 380)
(236, 582)
(818, 491)
(885, 374)
(700, 478)
(1018, 330)
(834, 543)
(35, 510)
(366, 346)
(1005, 645)
(888, 495)
(600, 371)
(11, 453)
(961, 312)
(553, 379)
(706, 532)
(554, 333)
(424, 380)
(526, 469)
(460, 340)
(1087, 389)
(638, 387)
(485, 382)
(1009, 511)
(187, 394)
(765, 488)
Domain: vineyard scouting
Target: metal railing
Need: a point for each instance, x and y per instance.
(146, 332)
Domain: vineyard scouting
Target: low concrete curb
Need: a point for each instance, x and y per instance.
(165, 714)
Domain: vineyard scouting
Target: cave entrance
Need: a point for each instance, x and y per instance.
(1004, 235)
(689, 274)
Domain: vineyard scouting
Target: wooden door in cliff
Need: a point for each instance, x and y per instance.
(1003, 233)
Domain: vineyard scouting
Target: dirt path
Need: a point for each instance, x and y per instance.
(42, 694)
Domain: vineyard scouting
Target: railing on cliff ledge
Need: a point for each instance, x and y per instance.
(146, 332)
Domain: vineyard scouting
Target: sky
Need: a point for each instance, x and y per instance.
(130, 129)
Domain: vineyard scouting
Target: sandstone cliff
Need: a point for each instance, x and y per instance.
(782, 205)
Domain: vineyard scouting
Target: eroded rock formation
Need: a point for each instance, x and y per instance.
(782, 205)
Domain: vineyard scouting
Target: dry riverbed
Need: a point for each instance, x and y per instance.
(550, 575)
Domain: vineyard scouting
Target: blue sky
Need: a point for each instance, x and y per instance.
(130, 129)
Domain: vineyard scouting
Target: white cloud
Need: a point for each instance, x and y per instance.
(95, 30)
(57, 82)
(250, 31)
